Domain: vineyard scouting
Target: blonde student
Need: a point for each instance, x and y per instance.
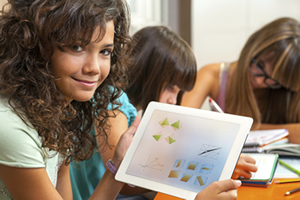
(263, 83)
(161, 66)
(55, 56)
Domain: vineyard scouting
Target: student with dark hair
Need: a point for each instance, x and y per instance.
(58, 61)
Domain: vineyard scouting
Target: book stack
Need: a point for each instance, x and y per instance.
(266, 164)
(260, 141)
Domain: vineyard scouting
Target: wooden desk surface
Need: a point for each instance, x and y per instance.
(273, 192)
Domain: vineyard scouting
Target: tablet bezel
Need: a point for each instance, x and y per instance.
(245, 125)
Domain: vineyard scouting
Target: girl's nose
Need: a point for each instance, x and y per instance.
(92, 65)
(260, 81)
(172, 99)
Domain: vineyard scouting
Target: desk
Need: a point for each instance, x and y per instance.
(273, 192)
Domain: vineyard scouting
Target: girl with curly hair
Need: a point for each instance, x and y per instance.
(58, 61)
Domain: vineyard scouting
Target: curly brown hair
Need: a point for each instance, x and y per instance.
(29, 31)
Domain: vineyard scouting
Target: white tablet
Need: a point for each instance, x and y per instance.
(179, 151)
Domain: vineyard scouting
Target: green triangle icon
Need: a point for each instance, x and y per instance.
(165, 122)
(175, 124)
(157, 137)
(171, 140)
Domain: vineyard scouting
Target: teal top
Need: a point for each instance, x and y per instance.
(86, 175)
(21, 146)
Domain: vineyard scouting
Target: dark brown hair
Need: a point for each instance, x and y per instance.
(29, 31)
(159, 58)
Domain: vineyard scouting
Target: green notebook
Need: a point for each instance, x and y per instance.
(266, 164)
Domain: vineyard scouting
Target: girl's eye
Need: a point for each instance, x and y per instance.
(77, 48)
(106, 52)
(170, 87)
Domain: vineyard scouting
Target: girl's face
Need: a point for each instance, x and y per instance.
(80, 70)
(260, 73)
(169, 94)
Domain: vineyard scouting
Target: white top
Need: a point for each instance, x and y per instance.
(20, 146)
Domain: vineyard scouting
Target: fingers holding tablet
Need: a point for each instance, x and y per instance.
(225, 190)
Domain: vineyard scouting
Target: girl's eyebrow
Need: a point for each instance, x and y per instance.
(109, 45)
(102, 46)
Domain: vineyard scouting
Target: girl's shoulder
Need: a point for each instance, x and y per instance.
(19, 142)
(210, 72)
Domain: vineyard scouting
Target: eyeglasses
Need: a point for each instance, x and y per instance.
(257, 70)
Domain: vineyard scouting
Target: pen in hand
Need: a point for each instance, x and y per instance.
(215, 106)
(292, 191)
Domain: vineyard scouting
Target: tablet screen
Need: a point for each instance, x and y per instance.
(183, 151)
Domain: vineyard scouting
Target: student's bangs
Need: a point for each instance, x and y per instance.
(286, 63)
(184, 74)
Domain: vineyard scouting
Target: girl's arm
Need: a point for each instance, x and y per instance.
(63, 182)
(119, 125)
(207, 84)
(108, 187)
(30, 183)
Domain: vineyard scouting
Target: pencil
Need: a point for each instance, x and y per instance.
(287, 181)
(292, 191)
(215, 106)
(288, 167)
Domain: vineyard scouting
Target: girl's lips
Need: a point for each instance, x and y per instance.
(86, 83)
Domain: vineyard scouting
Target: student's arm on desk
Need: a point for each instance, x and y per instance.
(293, 128)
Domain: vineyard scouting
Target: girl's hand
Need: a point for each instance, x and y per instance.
(124, 142)
(220, 190)
(244, 167)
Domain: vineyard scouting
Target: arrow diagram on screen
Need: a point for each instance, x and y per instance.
(209, 151)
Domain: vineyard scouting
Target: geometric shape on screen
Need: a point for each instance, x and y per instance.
(170, 139)
(200, 180)
(192, 165)
(157, 136)
(164, 122)
(176, 125)
(152, 163)
(209, 151)
(206, 168)
(179, 163)
(186, 177)
(174, 174)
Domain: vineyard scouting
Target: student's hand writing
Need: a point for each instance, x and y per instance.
(124, 142)
(220, 190)
(244, 167)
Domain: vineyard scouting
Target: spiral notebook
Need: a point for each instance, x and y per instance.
(264, 137)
